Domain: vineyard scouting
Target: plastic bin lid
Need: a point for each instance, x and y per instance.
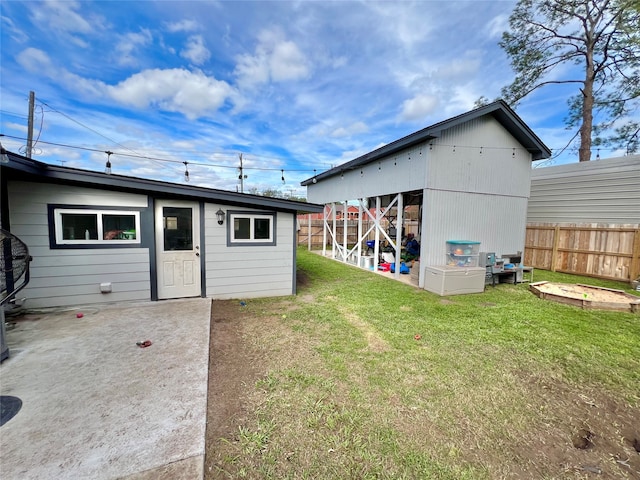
(463, 242)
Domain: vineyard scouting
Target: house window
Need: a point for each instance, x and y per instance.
(96, 227)
(251, 228)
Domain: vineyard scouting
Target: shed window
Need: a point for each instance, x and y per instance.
(251, 228)
(96, 227)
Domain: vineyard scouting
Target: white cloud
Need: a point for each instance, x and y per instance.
(65, 19)
(402, 22)
(177, 90)
(497, 25)
(275, 59)
(16, 34)
(191, 93)
(61, 16)
(183, 26)
(460, 68)
(350, 130)
(34, 60)
(129, 43)
(418, 107)
(195, 50)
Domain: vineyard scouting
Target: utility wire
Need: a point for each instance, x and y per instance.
(89, 128)
(147, 157)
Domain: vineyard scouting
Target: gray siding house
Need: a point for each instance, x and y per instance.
(603, 191)
(98, 238)
(470, 176)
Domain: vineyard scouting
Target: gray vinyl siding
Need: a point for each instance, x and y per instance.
(248, 271)
(599, 191)
(73, 277)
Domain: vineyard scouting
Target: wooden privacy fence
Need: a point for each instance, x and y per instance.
(611, 252)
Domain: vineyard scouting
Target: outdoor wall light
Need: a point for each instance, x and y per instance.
(220, 216)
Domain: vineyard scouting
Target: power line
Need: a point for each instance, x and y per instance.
(85, 126)
(147, 157)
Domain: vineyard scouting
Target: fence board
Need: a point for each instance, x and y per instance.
(610, 251)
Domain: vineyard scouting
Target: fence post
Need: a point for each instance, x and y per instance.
(554, 252)
(634, 271)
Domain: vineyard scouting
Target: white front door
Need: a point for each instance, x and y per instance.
(178, 249)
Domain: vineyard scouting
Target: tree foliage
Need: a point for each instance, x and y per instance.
(592, 44)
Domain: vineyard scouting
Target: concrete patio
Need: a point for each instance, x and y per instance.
(96, 405)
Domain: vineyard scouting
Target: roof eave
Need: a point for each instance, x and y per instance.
(499, 109)
(155, 187)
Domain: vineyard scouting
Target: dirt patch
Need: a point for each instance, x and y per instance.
(233, 370)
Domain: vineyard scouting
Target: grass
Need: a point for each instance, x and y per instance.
(349, 392)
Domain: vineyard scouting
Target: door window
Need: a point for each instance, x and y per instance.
(178, 228)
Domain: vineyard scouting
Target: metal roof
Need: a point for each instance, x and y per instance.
(498, 109)
(23, 168)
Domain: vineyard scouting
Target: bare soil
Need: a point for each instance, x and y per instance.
(590, 434)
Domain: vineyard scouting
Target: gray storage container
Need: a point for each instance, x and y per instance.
(449, 280)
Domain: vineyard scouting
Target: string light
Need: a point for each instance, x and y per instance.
(315, 180)
(107, 168)
(186, 171)
(598, 155)
(282, 172)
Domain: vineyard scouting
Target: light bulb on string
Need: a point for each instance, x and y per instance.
(315, 180)
(186, 171)
(282, 178)
(107, 168)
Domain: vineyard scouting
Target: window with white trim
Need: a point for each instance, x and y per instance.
(96, 227)
(251, 228)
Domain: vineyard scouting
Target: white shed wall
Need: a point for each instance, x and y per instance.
(401, 172)
(498, 223)
(248, 271)
(479, 156)
(475, 193)
(599, 191)
(73, 277)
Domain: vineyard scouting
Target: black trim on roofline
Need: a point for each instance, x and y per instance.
(26, 169)
(499, 110)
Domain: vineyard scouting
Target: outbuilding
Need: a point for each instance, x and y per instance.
(469, 176)
(96, 237)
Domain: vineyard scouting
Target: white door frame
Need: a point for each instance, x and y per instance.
(178, 267)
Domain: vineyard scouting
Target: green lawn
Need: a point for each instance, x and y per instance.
(494, 386)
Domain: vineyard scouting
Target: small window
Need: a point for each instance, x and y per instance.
(251, 228)
(95, 227)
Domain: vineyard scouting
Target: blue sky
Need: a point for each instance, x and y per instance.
(293, 86)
